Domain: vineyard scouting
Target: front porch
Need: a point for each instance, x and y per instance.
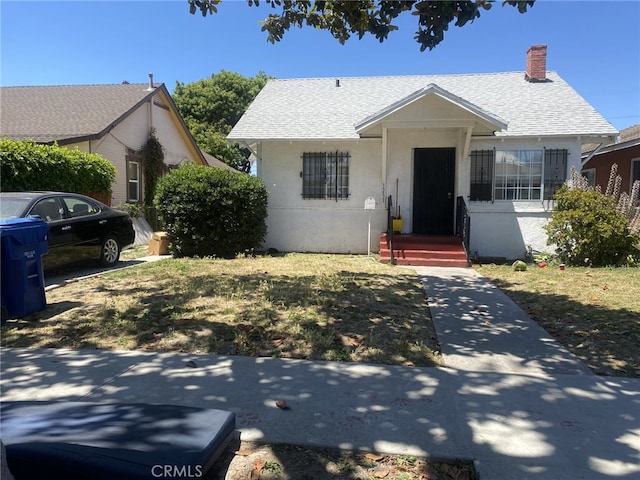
(423, 250)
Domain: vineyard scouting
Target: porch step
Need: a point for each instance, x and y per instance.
(424, 250)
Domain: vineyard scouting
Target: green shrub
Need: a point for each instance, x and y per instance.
(25, 165)
(588, 229)
(212, 211)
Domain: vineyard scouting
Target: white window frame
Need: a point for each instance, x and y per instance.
(635, 167)
(518, 175)
(590, 175)
(133, 182)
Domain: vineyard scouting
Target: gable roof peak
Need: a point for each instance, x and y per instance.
(432, 89)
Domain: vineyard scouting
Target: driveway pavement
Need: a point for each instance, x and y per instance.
(73, 274)
(510, 397)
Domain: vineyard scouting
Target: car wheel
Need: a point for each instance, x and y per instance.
(110, 251)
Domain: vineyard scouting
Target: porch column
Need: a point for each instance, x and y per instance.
(384, 157)
(467, 144)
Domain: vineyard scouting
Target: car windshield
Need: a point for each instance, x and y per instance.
(12, 207)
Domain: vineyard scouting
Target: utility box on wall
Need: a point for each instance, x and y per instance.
(159, 244)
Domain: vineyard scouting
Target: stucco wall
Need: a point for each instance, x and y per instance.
(401, 146)
(500, 228)
(507, 228)
(297, 224)
(173, 140)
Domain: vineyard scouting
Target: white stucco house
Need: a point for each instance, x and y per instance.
(111, 120)
(504, 142)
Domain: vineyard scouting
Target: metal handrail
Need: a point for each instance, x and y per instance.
(463, 226)
(390, 229)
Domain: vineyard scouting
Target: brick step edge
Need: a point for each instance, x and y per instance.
(427, 262)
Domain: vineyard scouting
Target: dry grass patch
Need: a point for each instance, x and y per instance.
(594, 312)
(325, 307)
(293, 462)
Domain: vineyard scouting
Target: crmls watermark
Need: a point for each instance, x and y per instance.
(177, 471)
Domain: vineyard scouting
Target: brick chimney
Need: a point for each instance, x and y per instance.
(536, 63)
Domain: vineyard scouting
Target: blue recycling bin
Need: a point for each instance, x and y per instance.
(23, 241)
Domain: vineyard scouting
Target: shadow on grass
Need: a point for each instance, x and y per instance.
(341, 315)
(603, 338)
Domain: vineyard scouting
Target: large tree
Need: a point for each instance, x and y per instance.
(344, 18)
(212, 106)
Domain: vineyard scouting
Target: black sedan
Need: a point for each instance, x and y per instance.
(80, 227)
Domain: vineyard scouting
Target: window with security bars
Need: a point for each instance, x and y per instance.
(517, 174)
(555, 170)
(325, 175)
(481, 175)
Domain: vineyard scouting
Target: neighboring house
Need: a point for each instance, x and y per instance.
(214, 162)
(504, 142)
(598, 159)
(111, 120)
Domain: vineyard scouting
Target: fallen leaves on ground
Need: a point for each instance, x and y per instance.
(253, 461)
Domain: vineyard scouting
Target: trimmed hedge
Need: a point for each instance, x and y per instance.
(26, 165)
(212, 212)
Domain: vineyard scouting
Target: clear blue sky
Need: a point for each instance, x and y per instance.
(594, 45)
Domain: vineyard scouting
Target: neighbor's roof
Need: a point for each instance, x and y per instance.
(315, 108)
(629, 137)
(214, 162)
(46, 114)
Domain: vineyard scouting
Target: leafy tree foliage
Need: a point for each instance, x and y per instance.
(212, 106)
(212, 211)
(26, 165)
(342, 19)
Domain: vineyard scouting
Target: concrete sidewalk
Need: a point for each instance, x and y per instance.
(518, 404)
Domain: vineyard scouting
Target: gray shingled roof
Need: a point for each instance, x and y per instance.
(69, 112)
(315, 108)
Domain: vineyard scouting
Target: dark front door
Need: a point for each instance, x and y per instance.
(433, 181)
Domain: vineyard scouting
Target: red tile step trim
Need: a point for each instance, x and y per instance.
(424, 250)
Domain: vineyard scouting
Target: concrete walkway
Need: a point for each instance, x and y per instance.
(482, 330)
(510, 397)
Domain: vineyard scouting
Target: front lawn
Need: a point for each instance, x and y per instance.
(594, 312)
(325, 307)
